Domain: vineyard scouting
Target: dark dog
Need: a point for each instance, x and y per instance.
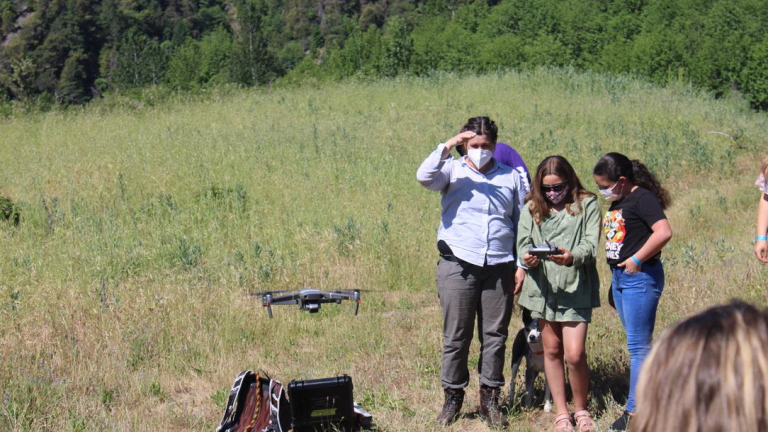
(528, 345)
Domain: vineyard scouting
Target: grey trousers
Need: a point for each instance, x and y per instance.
(467, 291)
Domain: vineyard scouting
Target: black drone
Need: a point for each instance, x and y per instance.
(308, 299)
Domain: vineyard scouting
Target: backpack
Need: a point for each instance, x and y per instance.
(256, 404)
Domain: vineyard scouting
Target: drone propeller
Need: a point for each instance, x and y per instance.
(350, 291)
(263, 293)
(355, 295)
(267, 298)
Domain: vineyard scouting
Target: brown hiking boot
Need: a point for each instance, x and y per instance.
(454, 398)
(489, 407)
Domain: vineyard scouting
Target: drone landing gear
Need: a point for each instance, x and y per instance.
(267, 301)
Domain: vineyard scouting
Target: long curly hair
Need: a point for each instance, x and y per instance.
(559, 166)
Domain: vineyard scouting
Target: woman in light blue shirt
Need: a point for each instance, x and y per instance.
(481, 204)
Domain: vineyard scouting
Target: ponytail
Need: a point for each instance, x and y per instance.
(765, 168)
(644, 178)
(615, 165)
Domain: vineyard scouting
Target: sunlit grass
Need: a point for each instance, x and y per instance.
(125, 292)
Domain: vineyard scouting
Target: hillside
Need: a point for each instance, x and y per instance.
(125, 291)
(67, 52)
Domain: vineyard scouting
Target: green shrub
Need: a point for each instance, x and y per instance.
(755, 75)
(184, 66)
(9, 211)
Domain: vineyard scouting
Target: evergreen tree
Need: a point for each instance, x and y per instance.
(215, 52)
(73, 83)
(428, 46)
(8, 15)
(503, 52)
(724, 47)
(372, 14)
(580, 26)
(184, 66)
(17, 75)
(755, 75)
(251, 62)
(362, 55)
(140, 61)
(398, 48)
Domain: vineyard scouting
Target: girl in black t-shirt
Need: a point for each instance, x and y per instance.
(636, 229)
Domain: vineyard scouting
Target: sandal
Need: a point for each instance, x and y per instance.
(584, 422)
(563, 423)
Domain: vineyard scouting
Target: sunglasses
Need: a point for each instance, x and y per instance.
(555, 187)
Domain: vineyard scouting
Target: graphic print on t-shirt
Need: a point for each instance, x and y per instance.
(615, 233)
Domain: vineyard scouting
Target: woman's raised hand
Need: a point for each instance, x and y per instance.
(459, 139)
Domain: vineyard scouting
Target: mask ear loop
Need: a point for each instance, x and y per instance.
(621, 194)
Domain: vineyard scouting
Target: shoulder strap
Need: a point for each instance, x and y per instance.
(237, 399)
(279, 407)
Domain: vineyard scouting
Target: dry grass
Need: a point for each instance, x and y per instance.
(125, 292)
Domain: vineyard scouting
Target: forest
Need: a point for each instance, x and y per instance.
(68, 52)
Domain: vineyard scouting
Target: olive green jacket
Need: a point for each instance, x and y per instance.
(576, 286)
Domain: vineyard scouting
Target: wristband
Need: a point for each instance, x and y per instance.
(637, 261)
(761, 238)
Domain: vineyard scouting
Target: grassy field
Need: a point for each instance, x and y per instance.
(125, 292)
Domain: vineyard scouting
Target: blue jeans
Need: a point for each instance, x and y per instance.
(636, 297)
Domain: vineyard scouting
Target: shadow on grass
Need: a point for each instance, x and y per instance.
(517, 405)
(471, 415)
(608, 380)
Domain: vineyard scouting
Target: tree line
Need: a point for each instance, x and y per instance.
(70, 51)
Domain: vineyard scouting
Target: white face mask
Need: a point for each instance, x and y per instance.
(608, 193)
(480, 157)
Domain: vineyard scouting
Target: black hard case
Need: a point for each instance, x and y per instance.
(322, 404)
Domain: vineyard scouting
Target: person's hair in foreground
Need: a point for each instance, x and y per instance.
(707, 373)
